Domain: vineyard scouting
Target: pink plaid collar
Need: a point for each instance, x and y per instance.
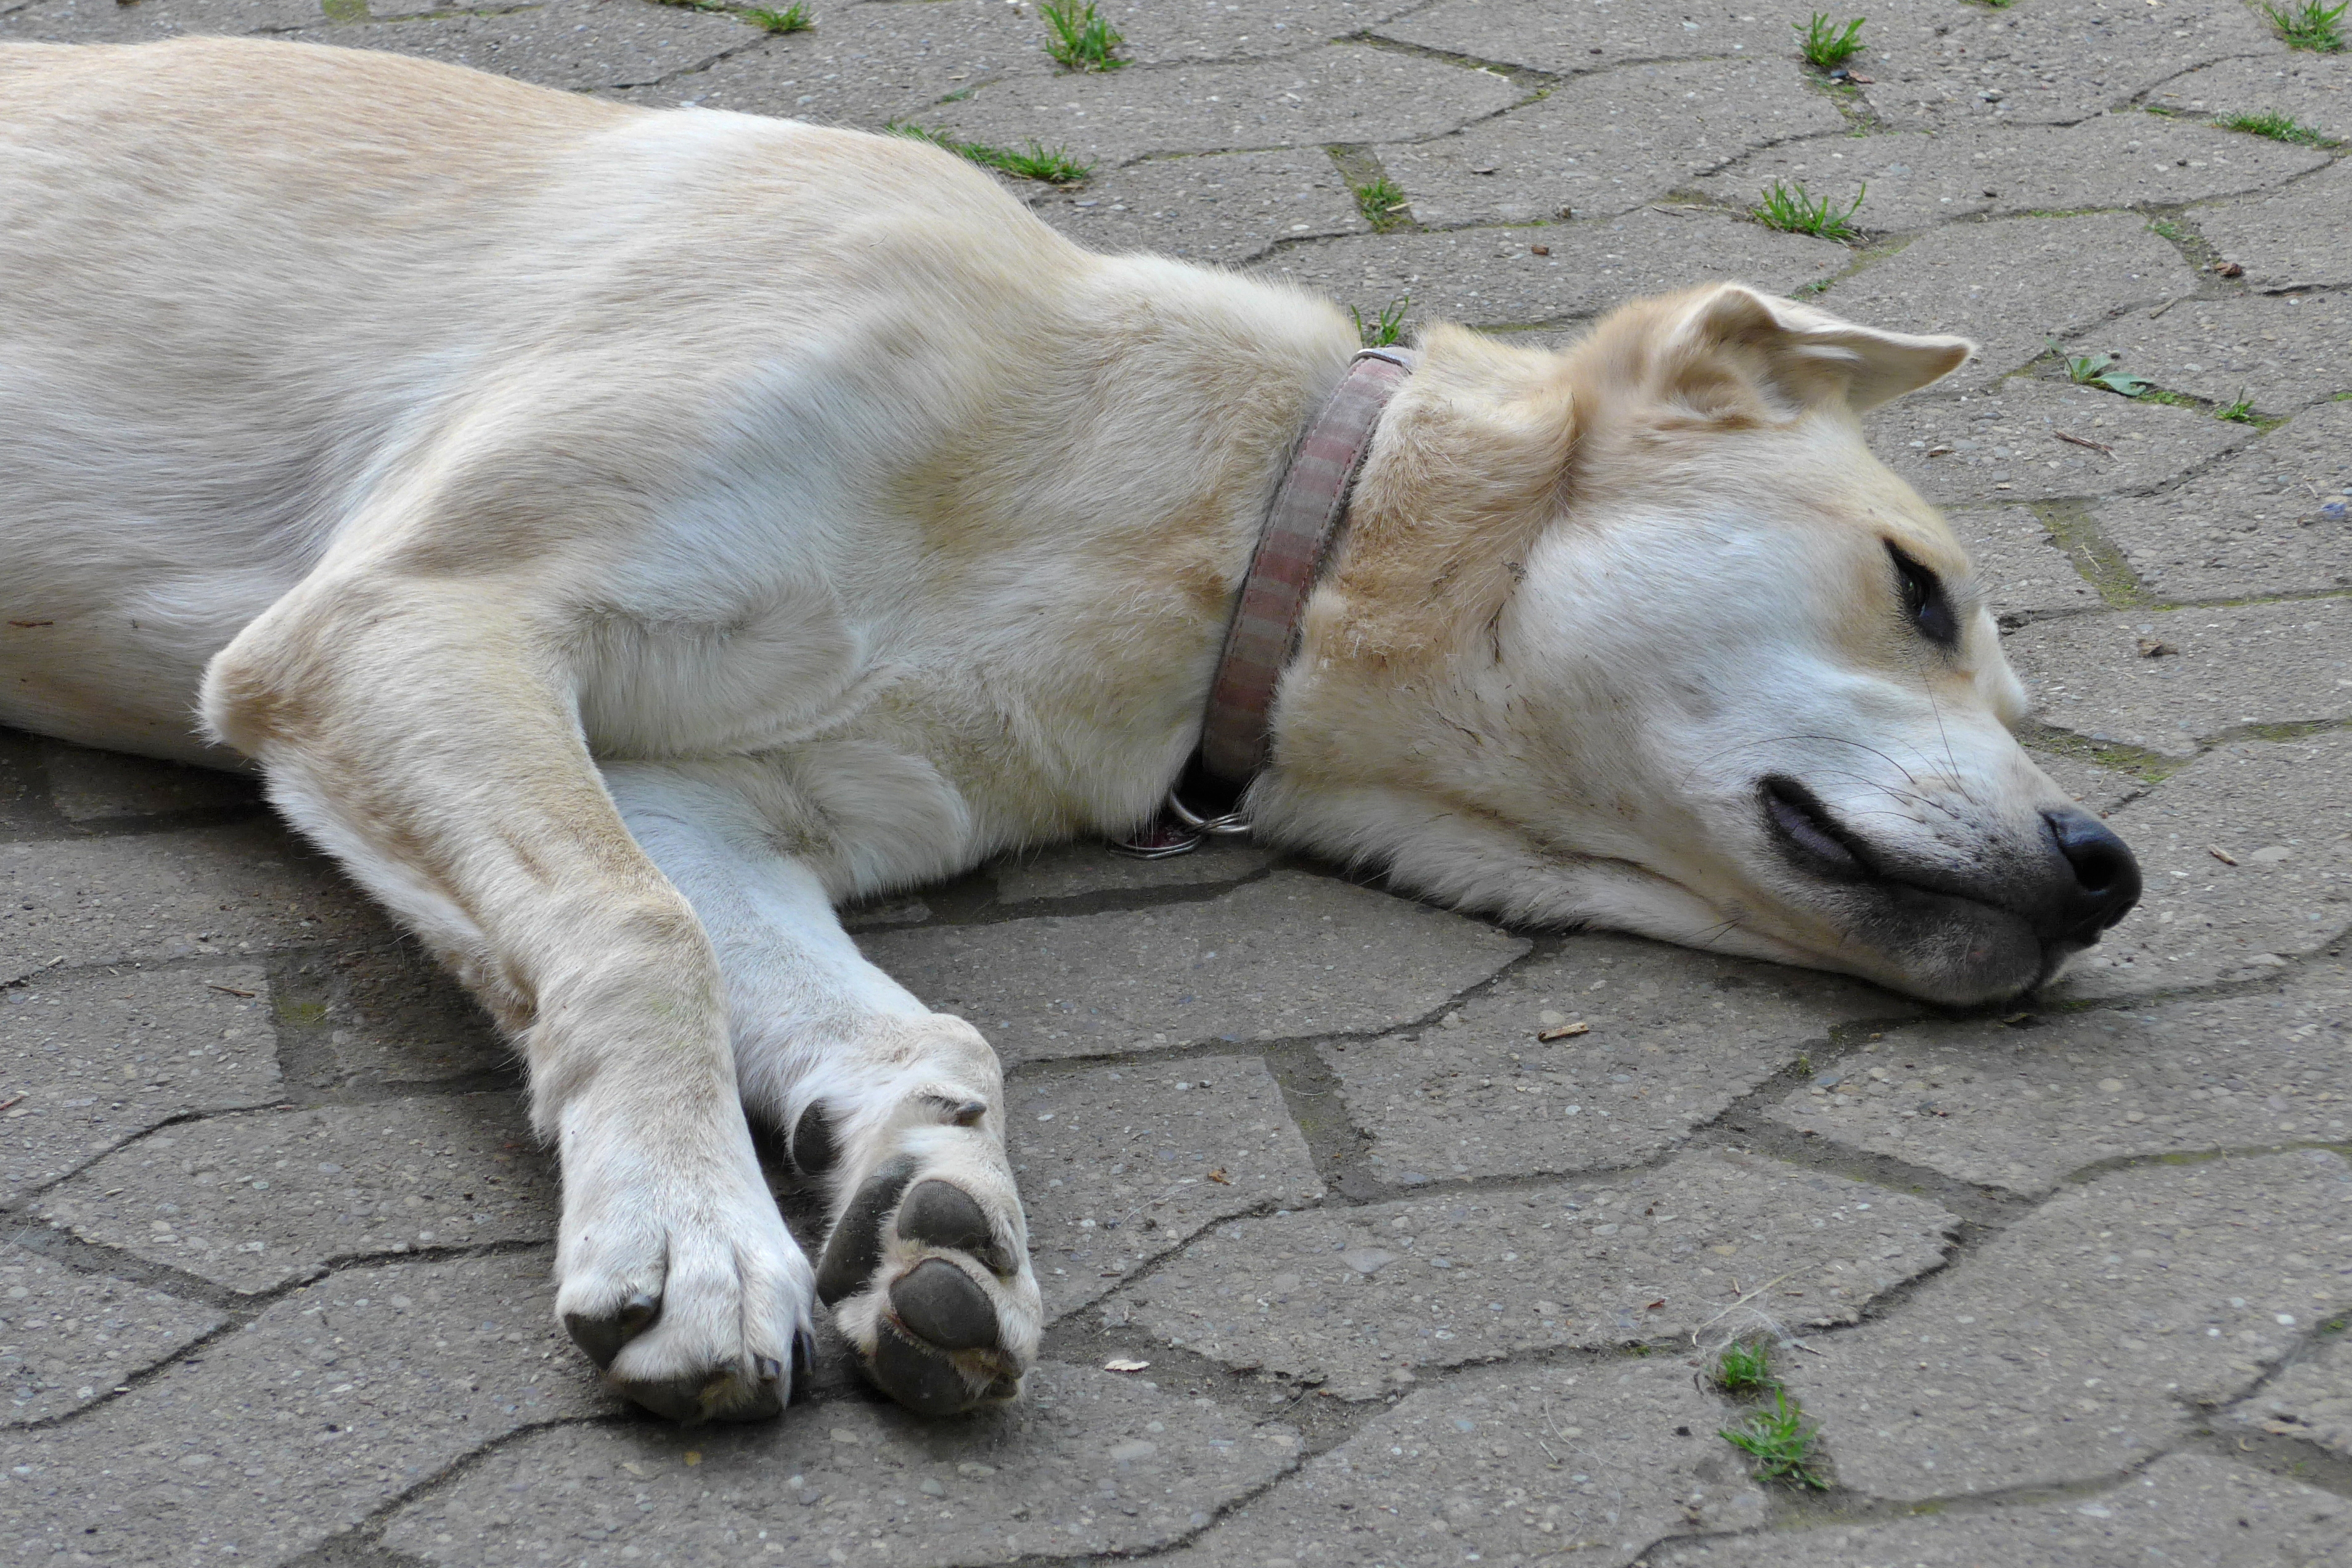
(1309, 511)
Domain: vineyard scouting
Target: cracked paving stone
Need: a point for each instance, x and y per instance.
(2021, 1106)
(389, 1015)
(1289, 956)
(94, 1059)
(1074, 871)
(2080, 1341)
(96, 786)
(2096, 789)
(1675, 1037)
(1916, 179)
(1353, 1298)
(2294, 238)
(203, 893)
(68, 1339)
(254, 1200)
(1156, 31)
(1595, 35)
(572, 44)
(2185, 1508)
(1589, 1462)
(2014, 283)
(2311, 1400)
(1338, 93)
(1221, 208)
(2023, 569)
(1935, 64)
(1606, 145)
(2259, 523)
(2220, 669)
(328, 1406)
(1086, 1462)
(2312, 90)
(2279, 351)
(2273, 808)
(1118, 1166)
(1971, 450)
(1491, 278)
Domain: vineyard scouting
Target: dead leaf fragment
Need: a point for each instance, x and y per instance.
(1124, 1364)
(2221, 854)
(2229, 269)
(230, 989)
(1539, 250)
(1219, 1176)
(2150, 648)
(1565, 1031)
(2084, 441)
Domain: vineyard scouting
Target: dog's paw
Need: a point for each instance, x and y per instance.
(682, 1284)
(927, 1271)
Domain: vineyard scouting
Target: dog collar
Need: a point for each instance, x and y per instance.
(1309, 508)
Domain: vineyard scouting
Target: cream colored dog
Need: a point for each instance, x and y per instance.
(620, 536)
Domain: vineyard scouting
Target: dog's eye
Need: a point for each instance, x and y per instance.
(1924, 600)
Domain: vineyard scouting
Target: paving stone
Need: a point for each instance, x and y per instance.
(93, 786)
(1291, 955)
(1918, 178)
(1120, 1165)
(94, 1058)
(2219, 669)
(1609, 143)
(2021, 1106)
(1571, 36)
(2311, 89)
(2019, 563)
(2079, 1341)
(1590, 1463)
(2004, 447)
(2252, 799)
(2098, 790)
(388, 1016)
(2059, 61)
(2259, 523)
(68, 1339)
(1490, 278)
(203, 893)
(572, 44)
(253, 1201)
(1343, 92)
(1156, 31)
(2290, 240)
(2185, 1508)
(1223, 209)
(1087, 1462)
(111, 22)
(1351, 1298)
(2281, 352)
(329, 1405)
(1675, 1037)
(2014, 284)
(2311, 1399)
(1074, 871)
(26, 811)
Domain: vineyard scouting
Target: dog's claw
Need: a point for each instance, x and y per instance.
(812, 1147)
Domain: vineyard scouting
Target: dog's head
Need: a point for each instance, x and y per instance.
(1641, 635)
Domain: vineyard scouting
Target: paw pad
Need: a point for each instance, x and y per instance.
(938, 1301)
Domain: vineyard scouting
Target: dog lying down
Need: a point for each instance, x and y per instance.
(620, 536)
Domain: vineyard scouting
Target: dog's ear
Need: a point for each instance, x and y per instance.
(1732, 341)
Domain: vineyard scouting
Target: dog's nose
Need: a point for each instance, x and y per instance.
(2107, 876)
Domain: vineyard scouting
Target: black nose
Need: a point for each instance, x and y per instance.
(2106, 878)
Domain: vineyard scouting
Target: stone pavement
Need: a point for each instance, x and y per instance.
(1346, 1264)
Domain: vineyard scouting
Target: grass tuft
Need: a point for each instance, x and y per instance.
(1052, 166)
(2309, 25)
(2276, 126)
(1780, 1441)
(1082, 41)
(1382, 203)
(792, 18)
(1385, 328)
(1745, 1369)
(2240, 411)
(2165, 228)
(1790, 207)
(1828, 43)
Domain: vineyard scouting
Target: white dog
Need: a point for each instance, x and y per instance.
(619, 536)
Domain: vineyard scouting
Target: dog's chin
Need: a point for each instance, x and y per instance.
(1939, 947)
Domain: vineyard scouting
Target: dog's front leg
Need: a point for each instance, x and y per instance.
(422, 731)
(900, 1109)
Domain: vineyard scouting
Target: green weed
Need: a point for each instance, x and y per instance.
(2239, 411)
(2091, 370)
(2170, 399)
(2276, 126)
(1054, 166)
(1745, 1369)
(2166, 230)
(2309, 25)
(792, 18)
(1082, 41)
(1780, 1441)
(1384, 328)
(1381, 201)
(1790, 207)
(1828, 44)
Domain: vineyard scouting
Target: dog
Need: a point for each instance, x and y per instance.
(621, 536)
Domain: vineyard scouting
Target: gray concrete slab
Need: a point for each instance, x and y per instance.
(2289, 240)
(2011, 446)
(2017, 558)
(2308, 87)
(2079, 1342)
(1227, 208)
(2311, 1400)
(69, 1339)
(1565, 37)
(1074, 871)
(572, 44)
(2280, 353)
